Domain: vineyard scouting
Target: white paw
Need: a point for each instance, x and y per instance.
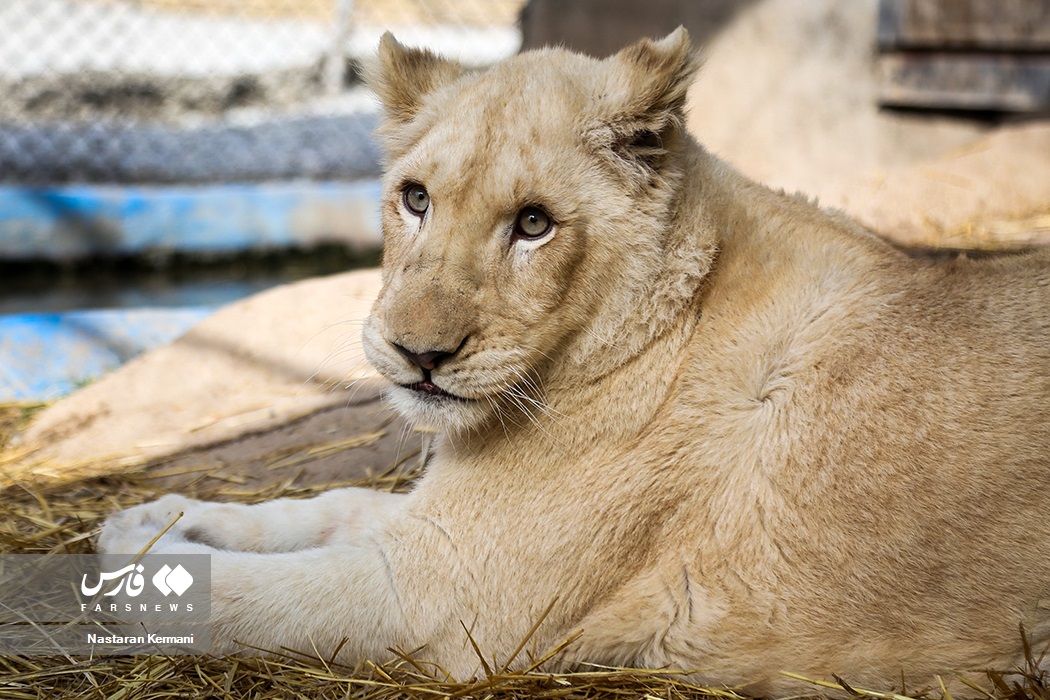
(129, 531)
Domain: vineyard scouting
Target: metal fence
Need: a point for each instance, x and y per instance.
(188, 91)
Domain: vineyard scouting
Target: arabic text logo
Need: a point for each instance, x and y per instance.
(130, 574)
(166, 580)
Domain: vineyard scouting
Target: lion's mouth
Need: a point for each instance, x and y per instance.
(429, 388)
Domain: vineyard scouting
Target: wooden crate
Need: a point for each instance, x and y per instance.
(965, 54)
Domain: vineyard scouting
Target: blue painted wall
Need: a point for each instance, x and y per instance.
(73, 221)
(46, 356)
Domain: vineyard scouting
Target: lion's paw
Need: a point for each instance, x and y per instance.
(129, 531)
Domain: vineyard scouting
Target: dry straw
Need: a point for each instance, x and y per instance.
(65, 519)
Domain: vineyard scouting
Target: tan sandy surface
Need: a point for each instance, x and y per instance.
(265, 362)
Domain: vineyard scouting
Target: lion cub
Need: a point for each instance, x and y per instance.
(718, 428)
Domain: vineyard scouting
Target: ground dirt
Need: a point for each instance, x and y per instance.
(270, 388)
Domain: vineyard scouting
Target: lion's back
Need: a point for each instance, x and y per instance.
(883, 433)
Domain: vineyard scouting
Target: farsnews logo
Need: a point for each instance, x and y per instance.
(131, 581)
(130, 574)
(169, 580)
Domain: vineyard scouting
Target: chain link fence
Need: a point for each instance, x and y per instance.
(193, 91)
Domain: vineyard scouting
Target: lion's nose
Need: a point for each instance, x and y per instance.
(425, 360)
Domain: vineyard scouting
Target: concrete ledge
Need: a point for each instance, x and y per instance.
(256, 365)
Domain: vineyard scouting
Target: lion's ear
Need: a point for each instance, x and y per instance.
(402, 77)
(649, 79)
(644, 96)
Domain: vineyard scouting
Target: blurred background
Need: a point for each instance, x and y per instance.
(173, 113)
(161, 158)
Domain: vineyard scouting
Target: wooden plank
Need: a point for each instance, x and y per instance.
(322, 10)
(964, 24)
(1013, 83)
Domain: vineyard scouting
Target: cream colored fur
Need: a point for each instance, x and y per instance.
(718, 428)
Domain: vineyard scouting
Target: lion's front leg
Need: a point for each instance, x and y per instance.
(359, 589)
(283, 525)
(314, 601)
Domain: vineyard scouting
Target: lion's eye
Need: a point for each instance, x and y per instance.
(416, 199)
(532, 222)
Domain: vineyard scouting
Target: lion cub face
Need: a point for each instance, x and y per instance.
(520, 206)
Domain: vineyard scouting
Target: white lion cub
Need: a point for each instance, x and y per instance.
(717, 427)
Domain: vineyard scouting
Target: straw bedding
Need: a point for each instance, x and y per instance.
(65, 519)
